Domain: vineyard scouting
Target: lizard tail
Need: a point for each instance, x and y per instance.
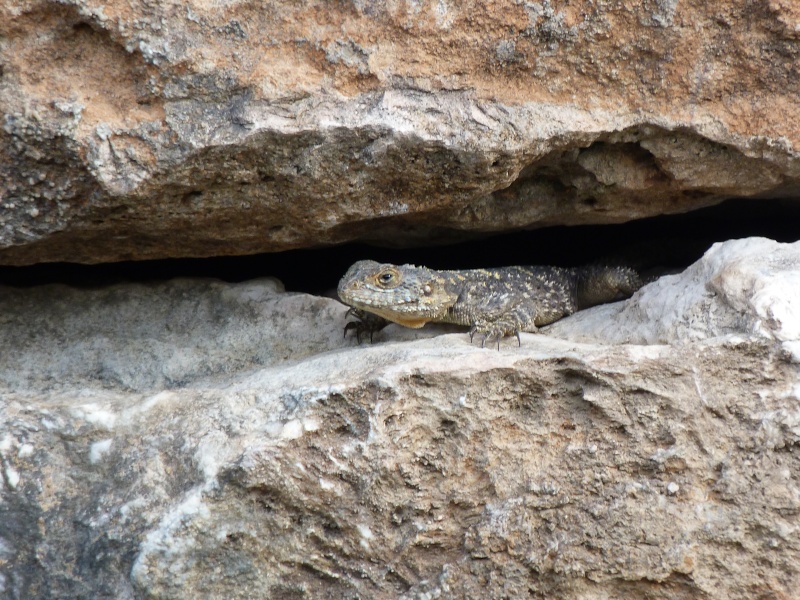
(601, 284)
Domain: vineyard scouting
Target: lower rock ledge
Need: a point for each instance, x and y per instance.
(201, 439)
(424, 469)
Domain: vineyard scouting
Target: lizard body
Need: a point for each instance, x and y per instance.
(492, 302)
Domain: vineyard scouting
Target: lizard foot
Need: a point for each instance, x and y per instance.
(493, 332)
(367, 323)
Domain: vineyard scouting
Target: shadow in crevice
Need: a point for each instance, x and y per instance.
(669, 242)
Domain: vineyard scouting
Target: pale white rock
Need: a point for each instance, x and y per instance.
(99, 449)
(155, 336)
(747, 287)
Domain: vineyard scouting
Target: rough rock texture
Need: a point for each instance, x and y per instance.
(145, 337)
(290, 463)
(140, 129)
(742, 286)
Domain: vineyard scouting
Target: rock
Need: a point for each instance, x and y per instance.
(150, 337)
(290, 463)
(749, 286)
(135, 131)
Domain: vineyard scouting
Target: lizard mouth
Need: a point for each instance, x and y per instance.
(351, 297)
(367, 301)
(413, 323)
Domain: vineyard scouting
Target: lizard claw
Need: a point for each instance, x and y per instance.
(367, 323)
(359, 328)
(491, 332)
(485, 332)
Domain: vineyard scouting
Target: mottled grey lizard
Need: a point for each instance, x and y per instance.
(493, 302)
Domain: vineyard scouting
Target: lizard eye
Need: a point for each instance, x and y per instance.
(386, 277)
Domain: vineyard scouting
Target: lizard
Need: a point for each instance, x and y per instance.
(494, 303)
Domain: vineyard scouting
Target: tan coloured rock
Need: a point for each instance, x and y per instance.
(144, 130)
(290, 463)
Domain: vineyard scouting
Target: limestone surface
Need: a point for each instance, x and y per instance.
(135, 130)
(289, 462)
(749, 286)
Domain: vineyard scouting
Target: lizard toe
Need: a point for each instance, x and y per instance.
(366, 323)
(491, 332)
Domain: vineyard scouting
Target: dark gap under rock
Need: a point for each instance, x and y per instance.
(667, 242)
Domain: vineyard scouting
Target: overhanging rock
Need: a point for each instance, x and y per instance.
(138, 131)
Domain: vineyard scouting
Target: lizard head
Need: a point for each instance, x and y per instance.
(405, 294)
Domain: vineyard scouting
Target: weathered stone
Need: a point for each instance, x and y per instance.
(145, 337)
(749, 286)
(146, 130)
(290, 463)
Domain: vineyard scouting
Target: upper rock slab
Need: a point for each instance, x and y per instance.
(148, 130)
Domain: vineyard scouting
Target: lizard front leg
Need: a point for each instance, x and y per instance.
(367, 323)
(509, 323)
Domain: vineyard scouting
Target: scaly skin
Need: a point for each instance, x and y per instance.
(493, 302)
